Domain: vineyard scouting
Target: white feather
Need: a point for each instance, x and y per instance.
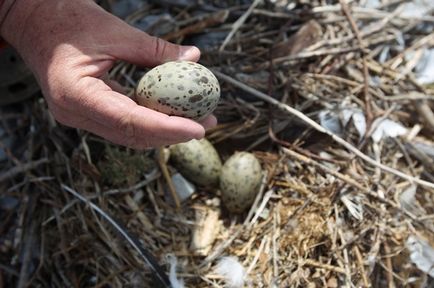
(387, 128)
(425, 67)
(417, 8)
(354, 205)
(421, 254)
(232, 271)
(174, 281)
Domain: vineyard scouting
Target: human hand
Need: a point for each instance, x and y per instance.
(71, 45)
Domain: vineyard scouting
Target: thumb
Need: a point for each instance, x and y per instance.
(138, 47)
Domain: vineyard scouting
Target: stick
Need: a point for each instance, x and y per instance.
(239, 23)
(346, 10)
(211, 20)
(166, 174)
(22, 168)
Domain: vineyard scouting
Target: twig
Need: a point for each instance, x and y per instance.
(22, 168)
(369, 116)
(28, 244)
(310, 54)
(275, 242)
(321, 129)
(9, 270)
(390, 282)
(410, 96)
(238, 24)
(212, 20)
(261, 207)
(152, 176)
(369, 11)
(361, 266)
(346, 260)
(166, 174)
(257, 255)
(425, 113)
(254, 209)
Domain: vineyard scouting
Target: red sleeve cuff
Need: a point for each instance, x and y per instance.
(3, 43)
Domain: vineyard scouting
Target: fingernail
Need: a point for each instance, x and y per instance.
(189, 53)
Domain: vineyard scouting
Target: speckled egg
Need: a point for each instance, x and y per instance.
(179, 88)
(198, 161)
(240, 181)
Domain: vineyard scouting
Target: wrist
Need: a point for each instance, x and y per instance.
(5, 6)
(31, 24)
(5, 9)
(14, 15)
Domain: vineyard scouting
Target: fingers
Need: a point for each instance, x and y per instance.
(151, 51)
(136, 46)
(108, 133)
(119, 119)
(209, 122)
(126, 137)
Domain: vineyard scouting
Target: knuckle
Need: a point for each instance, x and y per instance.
(61, 117)
(128, 131)
(130, 136)
(160, 48)
(58, 98)
(54, 91)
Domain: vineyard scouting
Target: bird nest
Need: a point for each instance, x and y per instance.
(334, 99)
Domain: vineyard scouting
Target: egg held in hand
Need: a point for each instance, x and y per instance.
(240, 181)
(179, 88)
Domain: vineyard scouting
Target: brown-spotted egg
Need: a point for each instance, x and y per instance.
(240, 181)
(179, 88)
(198, 161)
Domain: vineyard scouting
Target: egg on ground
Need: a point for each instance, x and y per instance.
(240, 181)
(179, 88)
(198, 161)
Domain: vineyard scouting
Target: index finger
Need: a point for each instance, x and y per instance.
(140, 125)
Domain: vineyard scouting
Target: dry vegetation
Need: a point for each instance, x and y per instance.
(328, 215)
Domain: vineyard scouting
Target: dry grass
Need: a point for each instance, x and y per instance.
(326, 216)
